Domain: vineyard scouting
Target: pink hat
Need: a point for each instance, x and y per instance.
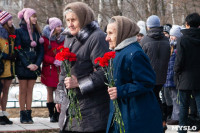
(53, 23)
(4, 17)
(26, 13)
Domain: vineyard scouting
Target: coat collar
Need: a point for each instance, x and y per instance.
(125, 43)
(3, 32)
(46, 33)
(85, 32)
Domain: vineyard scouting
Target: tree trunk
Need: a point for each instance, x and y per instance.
(172, 11)
(100, 17)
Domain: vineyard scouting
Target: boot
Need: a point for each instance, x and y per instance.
(169, 112)
(29, 117)
(56, 115)
(5, 118)
(23, 117)
(51, 107)
(2, 122)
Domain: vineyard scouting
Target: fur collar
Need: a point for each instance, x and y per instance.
(46, 33)
(85, 32)
(125, 43)
(3, 32)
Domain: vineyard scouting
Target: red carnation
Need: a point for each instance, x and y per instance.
(19, 47)
(15, 47)
(60, 48)
(97, 60)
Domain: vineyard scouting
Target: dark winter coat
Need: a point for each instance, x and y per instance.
(5, 52)
(157, 47)
(135, 79)
(187, 63)
(28, 55)
(49, 71)
(92, 93)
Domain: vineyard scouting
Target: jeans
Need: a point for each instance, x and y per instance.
(184, 96)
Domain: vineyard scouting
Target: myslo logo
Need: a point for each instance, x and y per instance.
(184, 128)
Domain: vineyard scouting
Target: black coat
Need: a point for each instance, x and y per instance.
(93, 96)
(187, 63)
(157, 47)
(27, 54)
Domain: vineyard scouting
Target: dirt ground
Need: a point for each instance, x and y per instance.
(36, 112)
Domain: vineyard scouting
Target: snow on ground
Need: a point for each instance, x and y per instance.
(39, 96)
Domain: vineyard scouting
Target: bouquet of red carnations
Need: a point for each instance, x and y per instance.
(106, 62)
(67, 57)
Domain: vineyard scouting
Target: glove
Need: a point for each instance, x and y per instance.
(57, 63)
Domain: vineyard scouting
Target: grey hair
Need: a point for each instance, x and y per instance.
(112, 20)
(67, 11)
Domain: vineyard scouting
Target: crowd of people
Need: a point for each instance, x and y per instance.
(156, 70)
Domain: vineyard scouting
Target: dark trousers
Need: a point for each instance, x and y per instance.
(156, 91)
(184, 96)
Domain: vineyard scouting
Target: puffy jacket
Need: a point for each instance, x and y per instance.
(49, 71)
(28, 55)
(157, 47)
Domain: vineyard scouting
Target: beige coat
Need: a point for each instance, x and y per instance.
(7, 63)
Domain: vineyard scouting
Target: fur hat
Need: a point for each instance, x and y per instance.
(53, 23)
(176, 31)
(25, 14)
(4, 17)
(153, 21)
(142, 27)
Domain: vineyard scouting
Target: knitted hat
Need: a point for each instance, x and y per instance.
(176, 31)
(166, 28)
(142, 27)
(126, 28)
(26, 13)
(53, 23)
(4, 17)
(153, 21)
(83, 11)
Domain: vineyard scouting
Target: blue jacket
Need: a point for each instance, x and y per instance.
(170, 72)
(27, 54)
(135, 79)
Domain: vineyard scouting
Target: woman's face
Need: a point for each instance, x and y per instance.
(33, 19)
(72, 23)
(112, 35)
(58, 29)
(10, 23)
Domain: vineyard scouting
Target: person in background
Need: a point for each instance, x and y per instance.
(167, 108)
(166, 30)
(51, 66)
(8, 58)
(29, 59)
(175, 35)
(88, 42)
(156, 45)
(187, 67)
(134, 80)
(142, 32)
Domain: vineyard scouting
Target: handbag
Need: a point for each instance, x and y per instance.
(1, 67)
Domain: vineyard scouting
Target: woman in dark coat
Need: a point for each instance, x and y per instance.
(51, 66)
(87, 41)
(29, 59)
(134, 81)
